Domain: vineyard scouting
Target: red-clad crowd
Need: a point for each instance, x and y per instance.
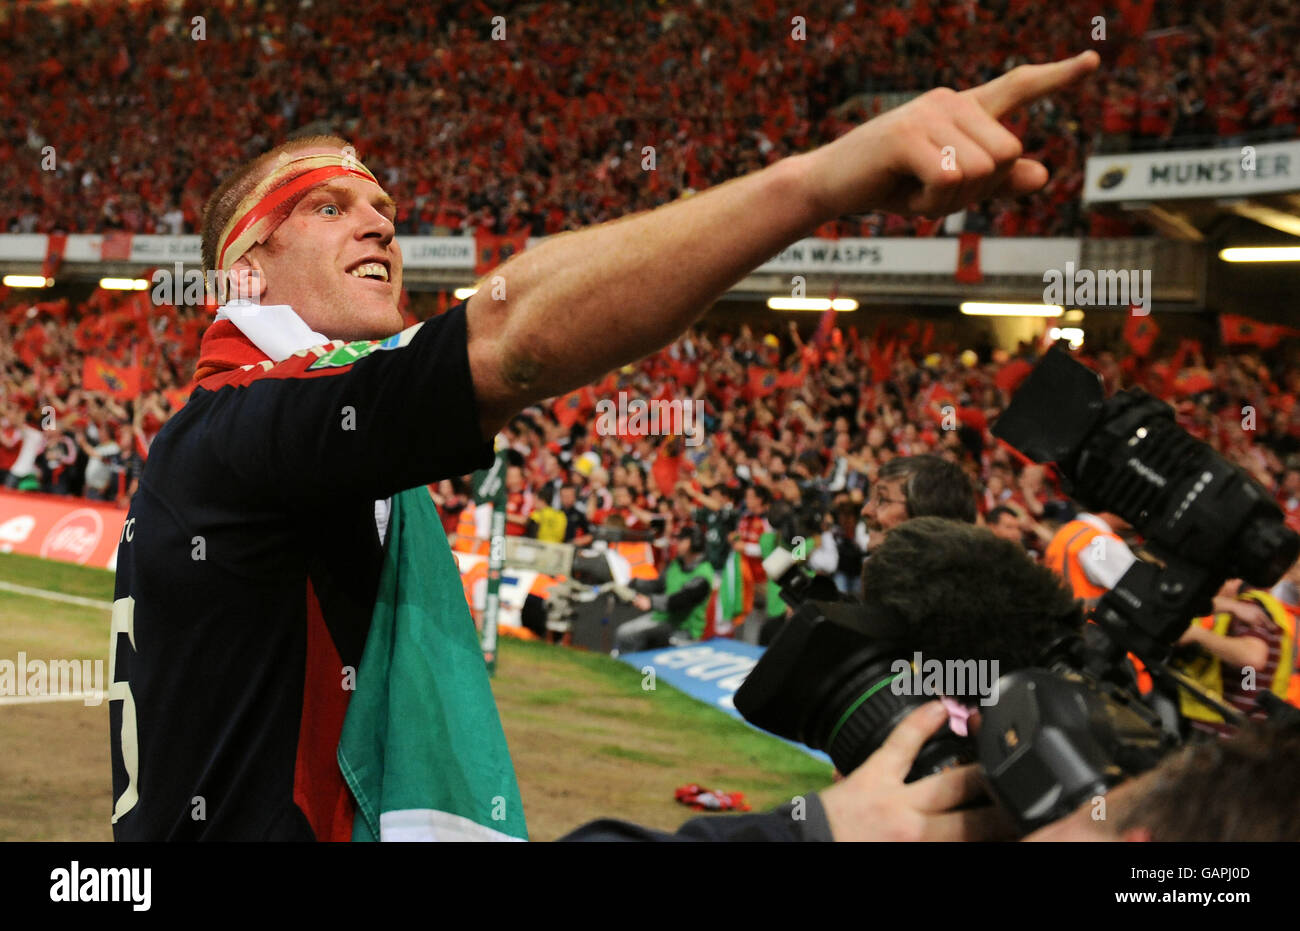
(124, 116)
(808, 422)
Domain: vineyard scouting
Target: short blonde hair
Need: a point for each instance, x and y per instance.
(221, 205)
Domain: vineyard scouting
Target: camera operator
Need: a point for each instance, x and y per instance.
(1091, 557)
(916, 486)
(675, 602)
(1089, 554)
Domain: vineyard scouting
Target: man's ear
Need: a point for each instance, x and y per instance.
(246, 279)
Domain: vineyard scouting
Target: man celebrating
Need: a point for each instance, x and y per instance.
(249, 564)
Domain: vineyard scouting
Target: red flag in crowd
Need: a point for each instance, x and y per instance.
(882, 361)
(115, 247)
(827, 322)
(855, 344)
(570, 408)
(968, 259)
(1193, 381)
(1136, 15)
(55, 244)
(120, 381)
(792, 378)
(762, 382)
(1238, 331)
(1140, 333)
(492, 250)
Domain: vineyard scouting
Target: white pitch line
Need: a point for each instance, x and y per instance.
(55, 596)
(33, 699)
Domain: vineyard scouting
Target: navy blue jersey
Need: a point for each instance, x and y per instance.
(247, 572)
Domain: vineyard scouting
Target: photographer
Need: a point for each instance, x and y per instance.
(675, 602)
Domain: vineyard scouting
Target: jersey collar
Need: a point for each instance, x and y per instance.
(246, 334)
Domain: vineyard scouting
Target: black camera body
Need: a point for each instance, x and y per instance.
(1059, 735)
(827, 681)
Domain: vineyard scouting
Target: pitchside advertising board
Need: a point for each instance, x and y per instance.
(709, 672)
(53, 527)
(1242, 171)
(878, 255)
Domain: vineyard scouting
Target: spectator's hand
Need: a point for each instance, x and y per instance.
(641, 602)
(897, 163)
(873, 802)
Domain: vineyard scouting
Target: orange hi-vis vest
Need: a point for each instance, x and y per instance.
(1062, 557)
(465, 539)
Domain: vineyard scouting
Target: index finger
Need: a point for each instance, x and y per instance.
(1024, 83)
(898, 752)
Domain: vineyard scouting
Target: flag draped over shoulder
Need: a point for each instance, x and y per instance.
(422, 747)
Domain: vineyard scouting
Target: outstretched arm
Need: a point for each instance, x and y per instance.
(584, 302)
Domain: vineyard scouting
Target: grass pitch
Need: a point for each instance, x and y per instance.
(586, 740)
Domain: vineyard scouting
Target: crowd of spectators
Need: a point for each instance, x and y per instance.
(62, 436)
(123, 116)
(804, 458)
(805, 422)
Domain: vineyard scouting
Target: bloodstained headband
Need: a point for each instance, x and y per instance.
(273, 199)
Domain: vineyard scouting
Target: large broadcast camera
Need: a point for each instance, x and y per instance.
(1068, 731)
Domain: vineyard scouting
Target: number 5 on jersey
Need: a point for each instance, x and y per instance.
(120, 690)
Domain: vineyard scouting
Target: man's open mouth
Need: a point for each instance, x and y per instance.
(373, 271)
